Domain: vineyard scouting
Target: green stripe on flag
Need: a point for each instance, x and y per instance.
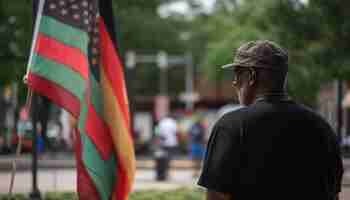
(102, 172)
(65, 33)
(58, 73)
(96, 95)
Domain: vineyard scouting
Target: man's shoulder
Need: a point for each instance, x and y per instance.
(247, 113)
(310, 113)
(236, 115)
(287, 111)
(232, 121)
(287, 108)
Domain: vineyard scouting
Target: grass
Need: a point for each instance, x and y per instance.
(178, 194)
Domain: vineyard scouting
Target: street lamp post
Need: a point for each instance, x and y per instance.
(162, 61)
(189, 81)
(35, 193)
(339, 89)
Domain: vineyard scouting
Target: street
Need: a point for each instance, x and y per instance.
(64, 180)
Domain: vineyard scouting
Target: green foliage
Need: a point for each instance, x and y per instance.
(15, 34)
(178, 194)
(229, 29)
(14, 197)
(60, 196)
(15, 29)
(315, 35)
(143, 30)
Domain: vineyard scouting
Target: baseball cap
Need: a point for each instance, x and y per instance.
(260, 54)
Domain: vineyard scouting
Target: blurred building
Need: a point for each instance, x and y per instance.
(327, 105)
(211, 94)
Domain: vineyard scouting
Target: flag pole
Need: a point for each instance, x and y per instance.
(19, 145)
(37, 14)
(35, 193)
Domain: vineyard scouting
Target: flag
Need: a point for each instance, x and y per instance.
(74, 63)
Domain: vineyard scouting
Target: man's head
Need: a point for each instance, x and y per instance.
(259, 67)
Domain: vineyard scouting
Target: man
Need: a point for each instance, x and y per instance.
(273, 148)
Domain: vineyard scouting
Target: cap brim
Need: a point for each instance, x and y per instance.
(230, 65)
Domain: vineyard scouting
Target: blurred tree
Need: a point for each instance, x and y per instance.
(227, 28)
(15, 34)
(142, 29)
(315, 33)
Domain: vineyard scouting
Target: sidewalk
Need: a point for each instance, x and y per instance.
(67, 162)
(58, 174)
(65, 180)
(64, 162)
(59, 161)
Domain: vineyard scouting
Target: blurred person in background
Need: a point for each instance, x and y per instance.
(273, 148)
(197, 141)
(7, 118)
(39, 140)
(66, 129)
(165, 145)
(24, 129)
(167, 133)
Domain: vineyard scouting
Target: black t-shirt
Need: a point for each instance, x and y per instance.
(273, 149)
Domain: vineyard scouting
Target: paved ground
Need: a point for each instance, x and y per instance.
(59, 175)
(64, 180)
(60, 161)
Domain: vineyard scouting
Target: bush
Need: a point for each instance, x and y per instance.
(178, 194)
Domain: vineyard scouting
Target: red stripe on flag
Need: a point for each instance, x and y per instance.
(113, 71)
(61, 53)
(113, 68)
(122, 184)
(98, 132)
(85, 186)
(55, 93)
